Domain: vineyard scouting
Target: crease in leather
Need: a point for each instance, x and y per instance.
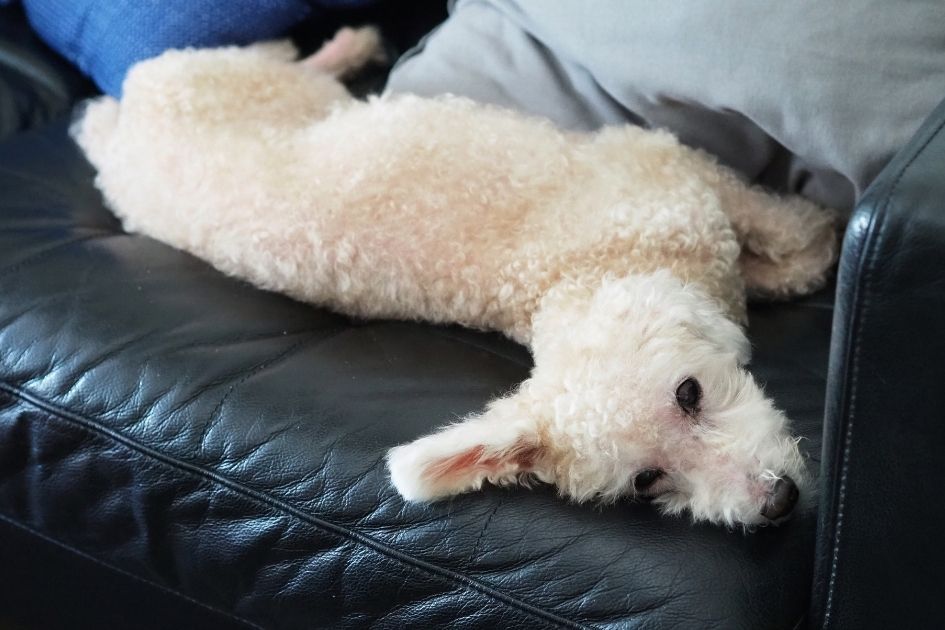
(44, 185)
(33, 68)
(271, 502)
(485, 526)
(441, 332)
(253, 371)
(217, 382)
(35, 532)
(42, 255)
(866, 268)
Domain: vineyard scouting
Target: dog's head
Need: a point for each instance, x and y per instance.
(639, 389)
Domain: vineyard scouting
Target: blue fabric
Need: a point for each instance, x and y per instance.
(105, 37)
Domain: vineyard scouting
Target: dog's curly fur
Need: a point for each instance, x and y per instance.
(620, 257)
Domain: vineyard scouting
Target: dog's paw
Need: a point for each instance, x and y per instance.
(796, 258)
(350, 50)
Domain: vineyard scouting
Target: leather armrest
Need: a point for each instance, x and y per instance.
(880, 557)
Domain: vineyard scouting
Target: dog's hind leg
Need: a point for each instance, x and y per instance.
(257, 88)
(788, 243)
(203, 152)
(348, 52)
(94, 127)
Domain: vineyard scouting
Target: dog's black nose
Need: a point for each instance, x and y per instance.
(782, 499)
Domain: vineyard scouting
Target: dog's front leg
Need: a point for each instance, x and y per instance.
(788, 243)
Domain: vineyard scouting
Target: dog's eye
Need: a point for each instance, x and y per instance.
(689, 395)
(646, 478)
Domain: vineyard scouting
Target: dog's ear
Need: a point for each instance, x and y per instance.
(501, 445)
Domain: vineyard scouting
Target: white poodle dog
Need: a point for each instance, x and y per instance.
(621, 258)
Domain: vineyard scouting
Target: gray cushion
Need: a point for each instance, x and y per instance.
(805, 96)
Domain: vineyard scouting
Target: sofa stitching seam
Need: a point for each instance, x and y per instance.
(871, 262)
(273, 503)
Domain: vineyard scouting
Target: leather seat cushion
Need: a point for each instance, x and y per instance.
(35, 84)
(226, 445)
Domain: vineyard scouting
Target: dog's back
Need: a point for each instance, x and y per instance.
(438, 209)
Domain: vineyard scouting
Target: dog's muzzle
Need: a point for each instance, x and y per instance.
(782, 499)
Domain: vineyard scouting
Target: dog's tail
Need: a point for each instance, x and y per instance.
(94, 127)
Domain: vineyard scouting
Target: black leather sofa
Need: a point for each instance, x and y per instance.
(180, 450)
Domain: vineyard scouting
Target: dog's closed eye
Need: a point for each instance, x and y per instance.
(689, 395)
(646, 478)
